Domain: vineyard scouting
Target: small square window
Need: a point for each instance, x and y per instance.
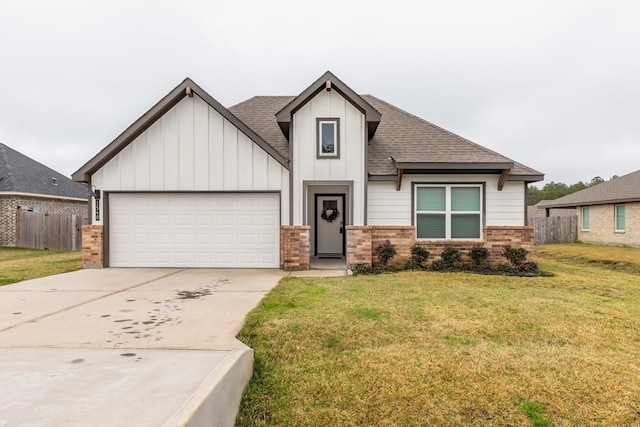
(328, 138)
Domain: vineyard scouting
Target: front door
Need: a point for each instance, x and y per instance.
(330, 217)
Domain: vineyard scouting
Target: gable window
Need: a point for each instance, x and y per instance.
(328, 138)
(448, 211)
(585, 219)
(619, 212)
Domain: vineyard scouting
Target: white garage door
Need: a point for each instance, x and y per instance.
(194, 230)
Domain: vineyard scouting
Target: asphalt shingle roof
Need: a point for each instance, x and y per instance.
(401, 135)
(259, 113)
(622, 189)
(22, 174)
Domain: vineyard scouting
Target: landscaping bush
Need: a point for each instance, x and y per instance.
(418, 258)
(450, 260)
(515, 256)
(361, 269)
(479, 255)
(385, 252)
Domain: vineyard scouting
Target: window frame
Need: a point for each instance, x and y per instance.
(336, 134)
(616, 227)
(588, 211)
(448, 212)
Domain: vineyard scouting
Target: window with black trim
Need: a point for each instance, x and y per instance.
(448, 211)
(328, 138)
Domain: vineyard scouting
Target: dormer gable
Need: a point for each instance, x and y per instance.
(328, 81)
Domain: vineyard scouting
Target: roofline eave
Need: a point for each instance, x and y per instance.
(591, 203)
(158, 110)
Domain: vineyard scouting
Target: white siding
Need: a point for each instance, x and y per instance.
(386, 206)
(350, 165)
(193, 148)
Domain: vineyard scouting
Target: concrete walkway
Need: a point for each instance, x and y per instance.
(114, 347)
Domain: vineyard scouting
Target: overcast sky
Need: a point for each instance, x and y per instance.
(552, 84)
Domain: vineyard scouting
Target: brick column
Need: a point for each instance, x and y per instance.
(92, 246)
(497, 237)
(358, 245)
(294, 247)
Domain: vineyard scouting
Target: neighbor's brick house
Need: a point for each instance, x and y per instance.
(608, 213)
(277, 181)
(28, 185)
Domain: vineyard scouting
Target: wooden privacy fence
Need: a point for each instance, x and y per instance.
(555, 229)
(49, 231)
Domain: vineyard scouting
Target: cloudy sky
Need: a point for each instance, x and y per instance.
(552, 84)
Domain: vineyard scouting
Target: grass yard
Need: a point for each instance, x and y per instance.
(17, 264)
(418, 348)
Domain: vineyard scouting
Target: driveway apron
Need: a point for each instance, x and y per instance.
(113, 347)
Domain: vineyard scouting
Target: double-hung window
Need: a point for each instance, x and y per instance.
(620, 220)
(448, 211)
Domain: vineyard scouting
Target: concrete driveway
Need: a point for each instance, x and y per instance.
(113, 347)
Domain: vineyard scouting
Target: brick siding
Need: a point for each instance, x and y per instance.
(92, 246)
(358, 245)
(496, 238)
(602, 225)
(294, 247)
(362, 242)
(9, 208)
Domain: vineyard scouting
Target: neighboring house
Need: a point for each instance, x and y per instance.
(608, 213)
(538, 211)
(277, 180)
(28, 185)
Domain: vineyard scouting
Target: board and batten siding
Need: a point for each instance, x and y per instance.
(192, 147)
(386, 206)
(349, 167)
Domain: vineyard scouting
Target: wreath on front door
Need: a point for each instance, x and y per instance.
(329, 214)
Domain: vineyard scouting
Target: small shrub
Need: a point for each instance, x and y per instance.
(515, 256)
(450, 256)
(479, 255)
(385, 252)
(437, 265)
(418, 258)
(359, 269)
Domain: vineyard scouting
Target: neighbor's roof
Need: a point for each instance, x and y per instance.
(619, 190)
(22, 174)
(412, 142)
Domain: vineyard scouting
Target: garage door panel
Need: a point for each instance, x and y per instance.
(194, 230)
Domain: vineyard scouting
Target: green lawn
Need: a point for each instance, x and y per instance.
(17, 264)
(451, 348)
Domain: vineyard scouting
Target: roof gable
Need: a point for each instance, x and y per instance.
(328, 81)
(187, 88)
(625, 188)
(22, 174)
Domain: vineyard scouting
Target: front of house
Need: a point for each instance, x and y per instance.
(29, 186)
(608, 213)
(278, 181)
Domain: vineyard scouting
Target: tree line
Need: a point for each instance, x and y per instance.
(553, 190)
